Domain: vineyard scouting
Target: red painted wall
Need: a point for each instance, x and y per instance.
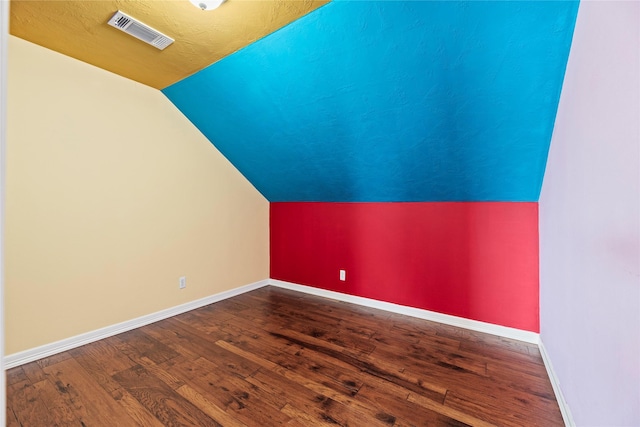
(477, 260)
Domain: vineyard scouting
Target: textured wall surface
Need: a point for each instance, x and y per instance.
(398, 102)
(590, 221)
(473, 260)
(112, 195)
(355, 102)
(391, 101)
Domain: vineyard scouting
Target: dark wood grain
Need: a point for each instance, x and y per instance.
(161, 400)
(274, 357)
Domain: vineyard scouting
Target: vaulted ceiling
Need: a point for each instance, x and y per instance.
(353, 101)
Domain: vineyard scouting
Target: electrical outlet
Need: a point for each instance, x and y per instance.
(343, 275)
(183, 282)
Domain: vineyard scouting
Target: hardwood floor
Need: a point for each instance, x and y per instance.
(274, 357)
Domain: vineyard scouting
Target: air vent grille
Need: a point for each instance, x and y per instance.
(122, 21)
(139, 30)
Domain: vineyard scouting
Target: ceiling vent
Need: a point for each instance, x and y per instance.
(141, 31)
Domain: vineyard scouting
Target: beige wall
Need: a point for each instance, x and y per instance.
(112, 195)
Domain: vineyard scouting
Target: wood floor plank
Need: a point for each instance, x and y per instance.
(432, 355)
(12, 421)
(307, 417)
(99, 367)
(286, 392)
(303, 361)
(56, 404)
(202, 344)
(502, 348)
(254, 405)
(533, 383)
(15, 375)
(328, 325)
(447, 411)
(321, 389)
(173, 340)
(398, 407)
(205, 321)
(459, 380)
(25, 403)
(209, 408)
(319, 405)
(135, 409)
(403, 337)
(101, 360)
(308, 362)
(385, 369)
(136, 341)
(34, 372)
(52, 360)
(489, 405)
(89, 401)
(275, 357)
(238, 398)
(162, 373)
(105, 355)
(160, 400)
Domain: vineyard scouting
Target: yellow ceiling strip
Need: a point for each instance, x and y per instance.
(78, 28)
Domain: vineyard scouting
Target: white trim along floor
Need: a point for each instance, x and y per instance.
(30, 355)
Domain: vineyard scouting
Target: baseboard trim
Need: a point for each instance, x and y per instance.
(27, 356)
(555, 383)
(474, 325)
(20, 358)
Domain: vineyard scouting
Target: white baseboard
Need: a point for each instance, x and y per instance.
(555, 383)
(20, 358)
(474, 325)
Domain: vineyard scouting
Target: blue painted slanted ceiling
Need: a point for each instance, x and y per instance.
(391, 101)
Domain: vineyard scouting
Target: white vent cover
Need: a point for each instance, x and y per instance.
(141, 31)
